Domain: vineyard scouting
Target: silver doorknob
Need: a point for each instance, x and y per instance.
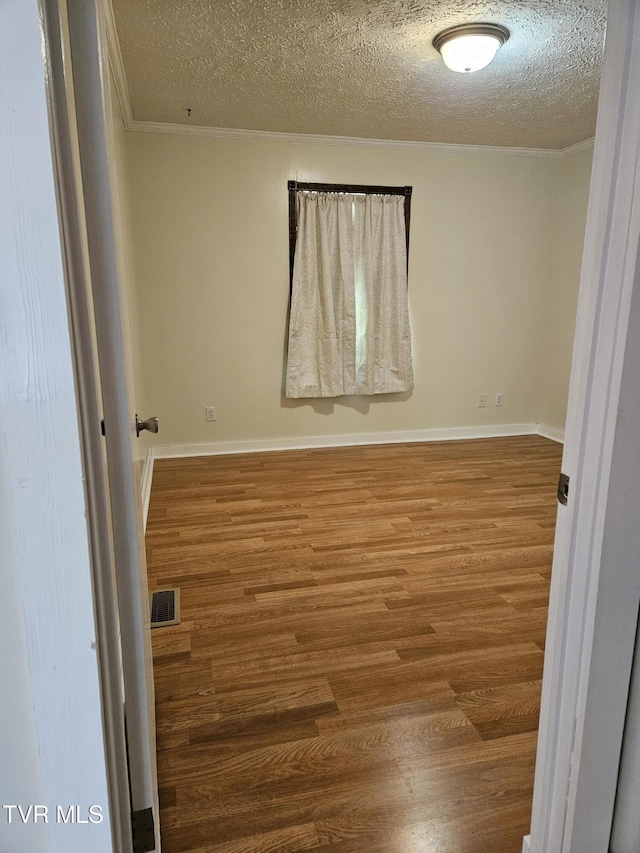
(151, 424)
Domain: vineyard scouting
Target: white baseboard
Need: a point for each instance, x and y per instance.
(307, 442)
(145, 485)
(554, 433)
(526, 844)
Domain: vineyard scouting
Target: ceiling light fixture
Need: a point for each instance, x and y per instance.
(470, 47)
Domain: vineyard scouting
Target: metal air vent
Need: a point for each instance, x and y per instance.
(164, 605)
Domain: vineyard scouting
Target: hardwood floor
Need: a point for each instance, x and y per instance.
(358, 666)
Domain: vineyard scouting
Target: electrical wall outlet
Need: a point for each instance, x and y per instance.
(210, 413)
(499, 398)
(482, 401)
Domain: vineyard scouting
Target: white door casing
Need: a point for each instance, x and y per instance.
(71, 208)
(117, 400)
(595, 583)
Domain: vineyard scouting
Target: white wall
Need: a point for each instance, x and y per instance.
(211, 247)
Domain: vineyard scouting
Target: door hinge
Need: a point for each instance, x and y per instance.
(563, 489)
(143, 831)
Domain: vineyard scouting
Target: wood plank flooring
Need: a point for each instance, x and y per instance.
(358, 666)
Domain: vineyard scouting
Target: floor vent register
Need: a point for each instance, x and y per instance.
(164, 605)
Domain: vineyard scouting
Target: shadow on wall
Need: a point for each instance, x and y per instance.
(326, 405)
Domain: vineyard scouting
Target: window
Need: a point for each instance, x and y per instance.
(349, 321)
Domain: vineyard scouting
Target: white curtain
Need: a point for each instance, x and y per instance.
(349, 325)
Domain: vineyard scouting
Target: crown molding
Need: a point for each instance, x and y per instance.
(116, 65)
(575, 149)
(275, 136)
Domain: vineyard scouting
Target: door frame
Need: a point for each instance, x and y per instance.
(78, 285)
(81, 145)
(595, 591)
(88, 57)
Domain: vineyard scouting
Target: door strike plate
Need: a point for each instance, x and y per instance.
(563, 489)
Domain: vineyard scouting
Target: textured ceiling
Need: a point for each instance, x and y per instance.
(364, 68)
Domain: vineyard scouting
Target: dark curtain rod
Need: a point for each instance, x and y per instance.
(364, 189)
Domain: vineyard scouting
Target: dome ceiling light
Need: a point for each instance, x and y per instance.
(470, 47)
